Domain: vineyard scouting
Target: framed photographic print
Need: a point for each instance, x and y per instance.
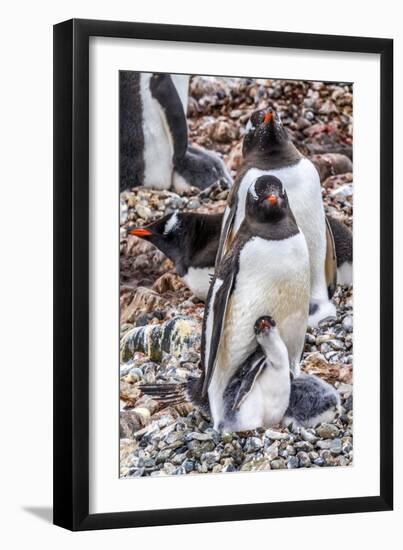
(223, 315)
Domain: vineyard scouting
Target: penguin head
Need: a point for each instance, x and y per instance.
(264, 324)
(164, 233)
(264, 133)
(266, 200)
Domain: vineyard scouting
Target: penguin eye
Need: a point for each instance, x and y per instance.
(256, 118)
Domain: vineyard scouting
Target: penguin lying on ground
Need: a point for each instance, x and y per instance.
(154, 149)
(191, 242)
(261, 392)
(246, 286)
(268, 150)
(343, 241)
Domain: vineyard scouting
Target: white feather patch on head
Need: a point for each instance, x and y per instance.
(172, 223)
(252, 190)
(249, 126)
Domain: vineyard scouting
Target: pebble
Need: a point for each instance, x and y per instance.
(327, 431)
(253, 444)
(293, 462)
(303, 446)
(308, 436)
(272, 451)
(193, 204)
(143, 211)
(277, 464)
(304, 460)
(274, 435)
(348, 323)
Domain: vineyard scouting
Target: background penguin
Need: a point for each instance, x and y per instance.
(190, 240)
(261, 393)
(244, 288)
(343, 241)
(267, 149)
(154, 148)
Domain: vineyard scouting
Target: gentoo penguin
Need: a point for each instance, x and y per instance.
(267, 270)
(190, 240)
(260, 393)
(343, 241)
(268, 150)
(312, 401)
(154, 149)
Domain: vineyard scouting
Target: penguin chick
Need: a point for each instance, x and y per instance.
(312, 401)
(190, 241)
(343, 240)
(267, 269)
(268, 150)
(258, 394)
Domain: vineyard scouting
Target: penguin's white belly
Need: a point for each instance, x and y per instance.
(158, 147)
(301, 181)
(345, 274)
(198, 280)
(267, 403)
(273, 279)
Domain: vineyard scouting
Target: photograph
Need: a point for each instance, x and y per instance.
(236, 275)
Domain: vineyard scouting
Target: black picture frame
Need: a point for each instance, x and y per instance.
(71, 274)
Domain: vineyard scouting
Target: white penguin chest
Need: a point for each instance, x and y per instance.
(198, 280)
(273, 279)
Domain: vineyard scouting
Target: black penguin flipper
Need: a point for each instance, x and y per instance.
(216, 309)
(331, 261)
(226, 233)
(247, 378)
(164, 91)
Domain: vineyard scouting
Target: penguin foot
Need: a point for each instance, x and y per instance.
(318, 311)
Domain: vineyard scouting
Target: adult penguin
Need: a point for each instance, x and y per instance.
(268, 150)
(246, 287)
(154, 148)
(190, 241)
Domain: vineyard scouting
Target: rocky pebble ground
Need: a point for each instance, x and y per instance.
(161, 319)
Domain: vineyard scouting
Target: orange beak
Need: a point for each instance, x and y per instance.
(272, 199)
(267, 117)
(140, 232)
